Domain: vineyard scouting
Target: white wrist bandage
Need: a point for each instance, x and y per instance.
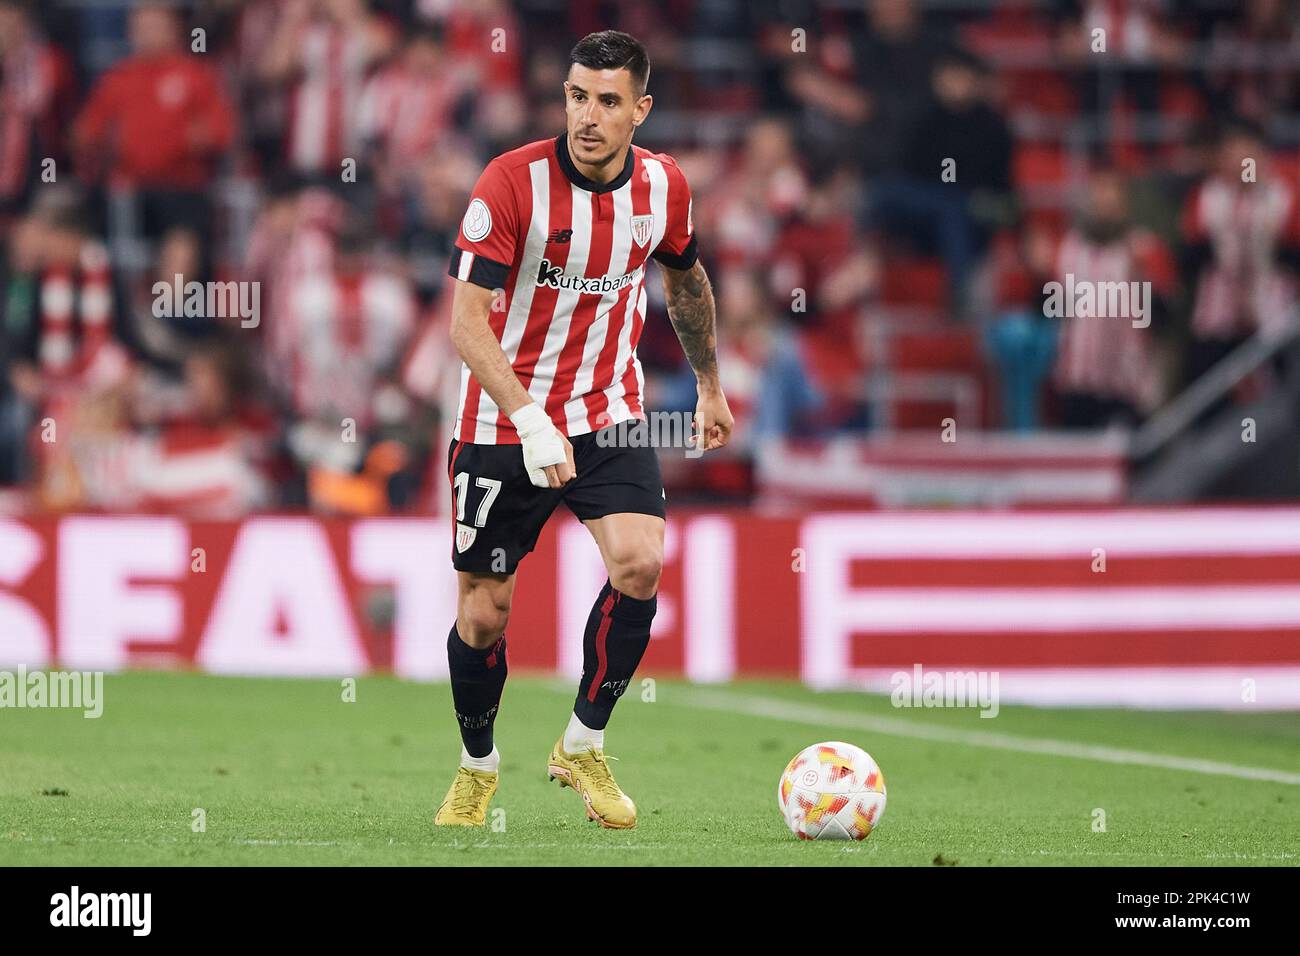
(540, 439)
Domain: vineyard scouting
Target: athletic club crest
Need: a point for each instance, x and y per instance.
(642, 227)
(465, 536)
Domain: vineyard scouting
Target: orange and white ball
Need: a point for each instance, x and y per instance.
(832, 791)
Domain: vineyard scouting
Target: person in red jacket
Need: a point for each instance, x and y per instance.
(161, 121)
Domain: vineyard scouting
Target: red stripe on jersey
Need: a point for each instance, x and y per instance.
(335, 94)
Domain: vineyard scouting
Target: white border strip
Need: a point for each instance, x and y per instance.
(1066, 534)
(775, 709)
(1141, 688)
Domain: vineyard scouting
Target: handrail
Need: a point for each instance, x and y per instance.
(1174, 418)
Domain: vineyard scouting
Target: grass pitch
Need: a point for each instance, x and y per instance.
(288, 773)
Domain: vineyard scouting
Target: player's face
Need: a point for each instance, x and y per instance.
(603, 108)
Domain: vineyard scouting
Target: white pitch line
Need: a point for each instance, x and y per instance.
(777, 709)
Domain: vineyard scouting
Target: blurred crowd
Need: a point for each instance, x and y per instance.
(883, 191)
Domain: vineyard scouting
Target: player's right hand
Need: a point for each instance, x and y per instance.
(548, 456)
(565, 471)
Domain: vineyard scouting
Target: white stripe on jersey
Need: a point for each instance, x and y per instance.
(620, 252)
(566, 300)
(312, 106)
(658, 199)
(460, 400)
(636, 359)
(466, 261)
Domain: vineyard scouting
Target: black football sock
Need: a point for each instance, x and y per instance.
(618, 630)
(477, 678)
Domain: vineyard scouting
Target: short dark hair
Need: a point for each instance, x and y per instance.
(1234, 126)
(428, 32)
(613, 50)
(963, 59)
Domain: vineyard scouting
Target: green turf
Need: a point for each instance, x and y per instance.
(288, 773)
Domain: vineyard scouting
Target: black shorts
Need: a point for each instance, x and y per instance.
(498, 513)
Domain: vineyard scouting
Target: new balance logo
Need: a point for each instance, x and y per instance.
(560, 235)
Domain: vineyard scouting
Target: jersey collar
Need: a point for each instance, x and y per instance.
(581, 181)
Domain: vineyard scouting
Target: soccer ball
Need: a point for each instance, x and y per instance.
(832, 791)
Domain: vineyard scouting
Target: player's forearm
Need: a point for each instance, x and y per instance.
(692, 313)
(480, 350)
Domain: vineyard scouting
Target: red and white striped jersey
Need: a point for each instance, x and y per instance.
(353, 332)
(1243, 287)
(569, 255)
(1104, 356)
(408, 112)
(323, 122)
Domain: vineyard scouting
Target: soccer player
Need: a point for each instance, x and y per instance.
(548, 307)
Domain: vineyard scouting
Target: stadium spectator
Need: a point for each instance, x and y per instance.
(36, 99)
(1117, 47)
(956, 184)
(59, 313)
(486, 42)
(876, 100)
(407, 112)
(1252, 61)
(322, 52)
(816, 245)
(745, 209)
(352, 329)
(767, 380)
(206, 458)
(1105, 370)
(292, 241)
(1241, 227)
(1021, 340)
(162, 121)
(64, 366)
(433, 215)
(163, 339)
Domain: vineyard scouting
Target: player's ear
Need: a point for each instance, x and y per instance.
(642, 109)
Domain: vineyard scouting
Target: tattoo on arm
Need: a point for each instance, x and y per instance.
(690, 308)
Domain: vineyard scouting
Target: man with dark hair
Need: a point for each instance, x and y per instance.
(547, 311)
(956, 189)
(614, 50)
(1241, 238)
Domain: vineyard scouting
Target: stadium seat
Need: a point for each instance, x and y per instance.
(915, 281)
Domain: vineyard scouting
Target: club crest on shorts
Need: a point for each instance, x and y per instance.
(642, 227)
(465, 536)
